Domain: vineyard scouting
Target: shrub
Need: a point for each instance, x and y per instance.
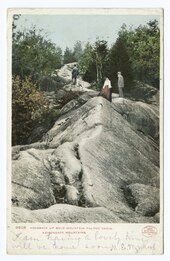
(28, 107)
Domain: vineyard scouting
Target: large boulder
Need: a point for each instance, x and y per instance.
(144, 198)
(97, 151)
(31, 184)
(142, 116)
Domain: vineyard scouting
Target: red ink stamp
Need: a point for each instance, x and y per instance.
(149, 231)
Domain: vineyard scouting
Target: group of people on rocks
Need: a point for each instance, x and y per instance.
(106, 90)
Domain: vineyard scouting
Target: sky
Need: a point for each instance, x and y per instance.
(65, 30)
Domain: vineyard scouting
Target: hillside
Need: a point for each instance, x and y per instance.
(98, 163)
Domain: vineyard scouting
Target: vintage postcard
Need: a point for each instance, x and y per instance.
(85, 143)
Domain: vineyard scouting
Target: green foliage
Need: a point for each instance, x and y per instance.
(119, 61)
(93, 61)
(33, 55)
(77, 51)
(74, 55)
(87, 64)
(143, 45)
(135, 53)
(34, 59)
(68, 56)
(28, 109)
(100, 56)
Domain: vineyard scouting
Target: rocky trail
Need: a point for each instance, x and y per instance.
(98, 163)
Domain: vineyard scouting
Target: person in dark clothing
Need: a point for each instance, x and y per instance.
(75, 73)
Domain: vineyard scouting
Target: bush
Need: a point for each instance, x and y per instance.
(28, 108)
(34, 54)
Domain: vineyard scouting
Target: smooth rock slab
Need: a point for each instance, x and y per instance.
(62, 213)
(97, 147)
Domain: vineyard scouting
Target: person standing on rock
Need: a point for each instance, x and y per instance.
(106, 90)
(75, 73)
(120, 84)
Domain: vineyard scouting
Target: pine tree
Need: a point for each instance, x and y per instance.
(119, 61)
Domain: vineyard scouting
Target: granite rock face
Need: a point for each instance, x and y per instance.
(65, 77)
(98, 163)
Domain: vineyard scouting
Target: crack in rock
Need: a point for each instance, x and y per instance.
(22, 185)
(65, 170)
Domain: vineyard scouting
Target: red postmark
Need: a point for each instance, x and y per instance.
(149, 231)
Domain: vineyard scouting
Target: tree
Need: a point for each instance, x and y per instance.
(34, 55)
(87, 64)
(29, 106)
(143, 45)
(77, 51)
(93, 61)
(119, 61)
(100, 57)
(68, 56)
(60, 57)
(34, 58)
